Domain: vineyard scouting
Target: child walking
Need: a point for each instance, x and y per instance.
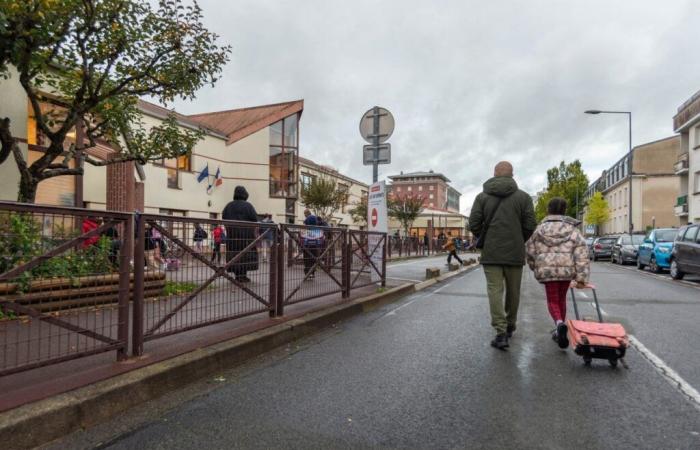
(558, 255)
(451, 247)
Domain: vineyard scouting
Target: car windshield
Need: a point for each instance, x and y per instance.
(635, 239)
(665, 235)
(589, 241)
(607, 240)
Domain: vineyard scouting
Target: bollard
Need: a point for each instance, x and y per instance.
(432, 272)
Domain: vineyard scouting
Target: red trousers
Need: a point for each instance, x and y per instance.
(556, 298)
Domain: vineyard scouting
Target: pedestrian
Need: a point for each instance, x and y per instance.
(115, 244)
(90, 223)
(239, 237)
(150, 248)
(557, 253)
(313, 239)
(199, 236)
(426, 243)
(502, 218)
(451, 247)
(219, 237)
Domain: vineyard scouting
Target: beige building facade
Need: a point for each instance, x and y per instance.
(687, 167)
(654, 185)
(356, 190)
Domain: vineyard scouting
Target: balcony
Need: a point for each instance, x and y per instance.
(681, 166)
(681, 208)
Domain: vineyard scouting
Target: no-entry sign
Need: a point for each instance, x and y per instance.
(376, 221)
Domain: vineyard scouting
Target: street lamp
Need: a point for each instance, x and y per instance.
(630, 225)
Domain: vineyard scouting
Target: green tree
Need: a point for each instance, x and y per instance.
(90, 61)
(405, 209)
(359, 212)
(568, 181)
(598, 211)
(324, 197)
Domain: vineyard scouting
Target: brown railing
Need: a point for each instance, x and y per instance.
(72, 280)
(64, 284)
(401, 247)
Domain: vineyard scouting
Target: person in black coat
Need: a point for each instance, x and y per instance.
(239, 237)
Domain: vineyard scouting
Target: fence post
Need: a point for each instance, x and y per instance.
(139, 261)
(346, 261)
(279, 295)
(125, 288)
(274, 267)
(383, 263)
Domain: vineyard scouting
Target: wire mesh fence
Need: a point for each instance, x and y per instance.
(367, 260)
(64, 284)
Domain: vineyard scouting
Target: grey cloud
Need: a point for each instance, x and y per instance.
(469, 82)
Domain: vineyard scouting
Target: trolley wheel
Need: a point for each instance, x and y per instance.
(613, 362)
(587, 360)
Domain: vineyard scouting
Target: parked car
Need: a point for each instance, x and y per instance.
(625, 248)
(602, 247)
(685, 257)
(655, 251)
(589, 244)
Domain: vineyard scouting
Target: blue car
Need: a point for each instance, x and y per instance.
(655, 251)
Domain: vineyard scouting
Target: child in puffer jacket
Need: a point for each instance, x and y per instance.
(558, 254)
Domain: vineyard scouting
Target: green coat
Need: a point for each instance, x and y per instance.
(512, 225)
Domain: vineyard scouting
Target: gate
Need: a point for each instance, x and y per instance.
(367, 258)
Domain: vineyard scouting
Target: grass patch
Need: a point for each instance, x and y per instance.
(178, 287)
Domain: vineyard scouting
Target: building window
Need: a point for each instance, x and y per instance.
(410, 189)
(431, 204)
(431, 196)
(174, 166)
(398, 188)
(697, 183)
(420, 188)
(431, 187)
(213, 215)
(307, 180)
(284, 147)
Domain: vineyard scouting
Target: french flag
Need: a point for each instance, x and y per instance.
(218, 181)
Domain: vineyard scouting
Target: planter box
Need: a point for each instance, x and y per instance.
(64, 293)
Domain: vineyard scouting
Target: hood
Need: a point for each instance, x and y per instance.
(555, 230)
(500, 186)
(312, 220)
(240, 193)
(664, 244)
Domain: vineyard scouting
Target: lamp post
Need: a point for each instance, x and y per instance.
(630, 225)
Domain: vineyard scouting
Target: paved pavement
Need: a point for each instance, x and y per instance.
(413, 270)
(420, 374)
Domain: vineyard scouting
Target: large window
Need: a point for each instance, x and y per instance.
(307, 180)
(284, 145)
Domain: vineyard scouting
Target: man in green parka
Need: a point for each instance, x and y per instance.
(504, 218)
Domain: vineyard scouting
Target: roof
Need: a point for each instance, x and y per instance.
(329, 170)
(239, 123)
(419, 174)
(161, 113)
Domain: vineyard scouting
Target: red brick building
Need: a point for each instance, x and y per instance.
(433, 187)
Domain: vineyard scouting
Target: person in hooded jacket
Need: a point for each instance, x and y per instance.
(503, 218)
(239, 237)
(558, 254)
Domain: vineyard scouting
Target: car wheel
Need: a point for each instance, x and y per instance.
(653, 266)
(640, 266)
(676, 274)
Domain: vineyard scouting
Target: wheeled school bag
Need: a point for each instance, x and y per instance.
(597, 339)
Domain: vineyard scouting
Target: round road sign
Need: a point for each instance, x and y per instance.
(386, 124)
(375, 217)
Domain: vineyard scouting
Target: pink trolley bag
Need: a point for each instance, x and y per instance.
(597, 339)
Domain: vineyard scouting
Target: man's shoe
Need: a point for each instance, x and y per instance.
(562, 338)
(500, 342)
(510, 330)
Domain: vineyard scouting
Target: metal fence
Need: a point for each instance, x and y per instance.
(64, 284)
(400, 247)
(76, 282)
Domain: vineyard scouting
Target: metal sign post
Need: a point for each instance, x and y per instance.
(376, 126)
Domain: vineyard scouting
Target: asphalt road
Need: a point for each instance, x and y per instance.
(413, 270)
(420, 374)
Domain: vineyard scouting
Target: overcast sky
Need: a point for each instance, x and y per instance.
(469, 82)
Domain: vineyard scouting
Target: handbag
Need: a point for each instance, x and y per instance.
(481, 239)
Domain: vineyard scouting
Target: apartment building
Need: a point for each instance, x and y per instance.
(433, 187)
(687, 167)
(654, 186)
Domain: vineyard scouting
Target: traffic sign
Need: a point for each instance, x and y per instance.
(380, 133)
(383, 154)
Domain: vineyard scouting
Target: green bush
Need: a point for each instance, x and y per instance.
(21, 240)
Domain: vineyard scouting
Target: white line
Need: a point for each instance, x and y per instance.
(583, 294)
(669, 374)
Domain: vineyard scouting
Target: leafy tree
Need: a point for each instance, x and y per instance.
(405, 209)
(324, 197)
(567, 181)
(359, 212)
(83, 64)
(598, 211)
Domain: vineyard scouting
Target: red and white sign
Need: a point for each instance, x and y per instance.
(377, 221)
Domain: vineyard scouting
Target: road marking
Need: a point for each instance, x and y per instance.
(669, 374)
(583, 294)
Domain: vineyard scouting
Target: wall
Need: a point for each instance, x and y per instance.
(13, 104)
(658, 197)
(694, 173)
